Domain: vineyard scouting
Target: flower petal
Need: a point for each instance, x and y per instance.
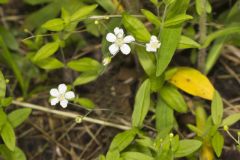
(111, 37)
(128, 39)
(64, 103)
(54, 101)
(69, 95)
(62, 88)
(149, 48)
(114, 49)
(154, 39)
(118, 30)
(54, 92)
(125, 49)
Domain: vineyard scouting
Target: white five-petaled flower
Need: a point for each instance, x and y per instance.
(119, 41)
(153, 45)
(61, 95)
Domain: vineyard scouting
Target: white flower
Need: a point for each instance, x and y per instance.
(61, 95)
(119, 42)
(153, 45)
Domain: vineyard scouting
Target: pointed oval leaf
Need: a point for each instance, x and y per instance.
(217, 143)
(49, 63)
(186, 42)
(217, 108)
(136, 28)
(18, 116)
(164, 115)
(186, 147)
(83, 12)
(8, 136)
(17, 154)
(177, 20)
(135, 156)
(151, 17)
(122, 140)
(230, 120)
(142, 104)
(56, 24)
(173, 98)
(85, 77)
(3, 118)
(46, 51)
(84, 64)
(193, 82)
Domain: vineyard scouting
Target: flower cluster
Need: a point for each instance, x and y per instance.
(120, 42)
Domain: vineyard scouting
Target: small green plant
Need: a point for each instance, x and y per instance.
(162, 92)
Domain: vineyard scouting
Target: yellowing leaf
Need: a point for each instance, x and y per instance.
(193, 82)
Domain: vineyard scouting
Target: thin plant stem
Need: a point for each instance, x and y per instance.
(71, 115)
(203, 33)
(233, 137)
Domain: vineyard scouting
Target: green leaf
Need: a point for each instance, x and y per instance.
(2, 85)
(9, 60)
(83, 12)
(142, 104)
(46, 51)
(56, 24)
(9, 39)
(85, 77)
(122, 140)
(36, 2)
(102, 157)
(214, 53)
(230, 120)
(8, 136)
(84, 64)
(156, 83)
(186, 147)
(168, 43)
(17, 154)
(4, 102)
(217, 143)
(177, 20)
(107, 5)
(201, 8)
(85, 102)
(18, 116)
(151, 17)
(3, 118)
(49, 63)
(186, 42)
(146, 61)
(217, 108)
(168, 2)
(193, 128)
(4, 1)
(135, 156)
(113, 155)
(164, 115)
(222, 32)
(65, 15)
(173, 98)
(136, 28)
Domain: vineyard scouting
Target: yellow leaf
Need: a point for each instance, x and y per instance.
(192, 81)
